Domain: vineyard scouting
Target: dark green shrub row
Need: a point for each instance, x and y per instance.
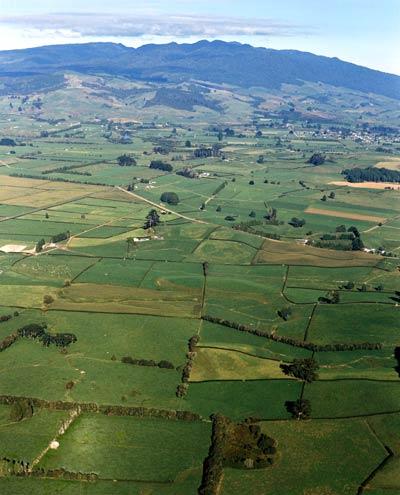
(182, 388)
(296, 343)
(59, 179)
(108, 410)
(22, 468)
(213, 464)
(148, 362)
(8, 341)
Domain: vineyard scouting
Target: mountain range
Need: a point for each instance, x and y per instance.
(218, 62)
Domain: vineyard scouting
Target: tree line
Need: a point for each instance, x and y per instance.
(290, 341)
(148, 362)
(182, 388)
(371, 174)
(108, 410)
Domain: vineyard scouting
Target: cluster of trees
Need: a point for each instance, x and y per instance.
(338, 239)
(37, 331)
(303, 369)
(188, 172)
(7, 142)
(290, 341)
(163, 149)
(247, 447)
(299, 409)
(160, 165)
(297, 222)
(169, 197)
(126, 161)
(317, 159)
(331, 297)
(152, 219)
(356, 244)
(203, 152)
(148, 362)
(371, 174)
(239, 445)
(62, 236)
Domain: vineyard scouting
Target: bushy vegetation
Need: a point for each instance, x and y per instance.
(317, 159)
(38, 332)
(62, 236)
(148, 362)
(239, 445)
(126, 161)
(169, 197)
(160, 165)
(299, 409)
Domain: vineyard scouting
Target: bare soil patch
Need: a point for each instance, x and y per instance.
(366, 185)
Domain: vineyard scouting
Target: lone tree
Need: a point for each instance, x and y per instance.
(357, 244)
(170, 197)
(48, 299)
(39, 245)
(152, 219)
(126, 161)
(303, 369)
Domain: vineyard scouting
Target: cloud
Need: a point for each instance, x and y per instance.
(142, 26)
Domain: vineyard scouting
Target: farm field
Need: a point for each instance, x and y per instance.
(152, 313)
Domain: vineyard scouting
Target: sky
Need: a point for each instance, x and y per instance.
(365, 32)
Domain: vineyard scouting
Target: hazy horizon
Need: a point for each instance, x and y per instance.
(360, 32)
